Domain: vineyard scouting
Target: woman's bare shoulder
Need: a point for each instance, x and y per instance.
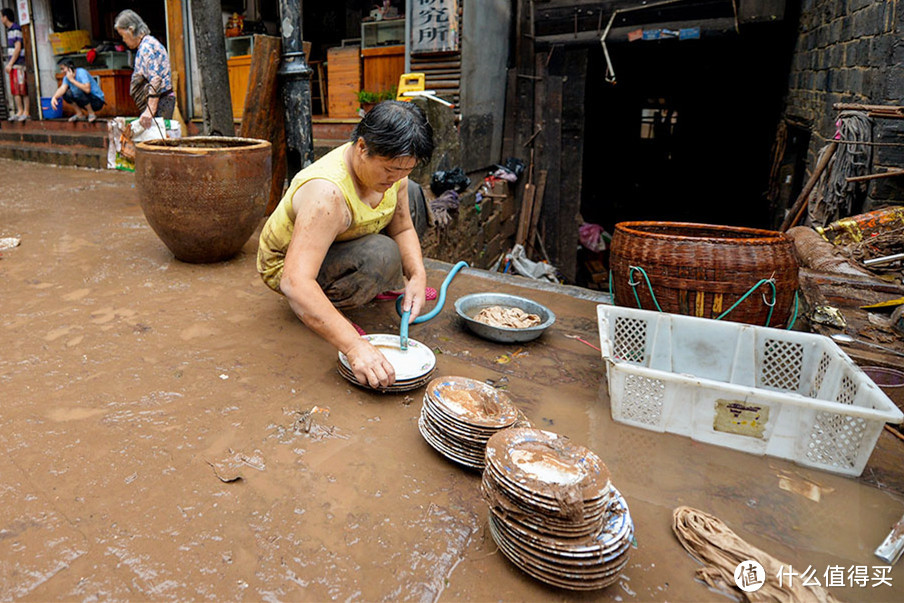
(323, 199)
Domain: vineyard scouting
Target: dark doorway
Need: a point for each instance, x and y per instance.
(686, 134)
(63, 15)
(153, 12)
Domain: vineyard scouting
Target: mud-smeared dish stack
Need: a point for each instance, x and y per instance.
(460, 415)
(413, 367)
(553, 511)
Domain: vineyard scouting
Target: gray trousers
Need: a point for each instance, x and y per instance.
(354, 272)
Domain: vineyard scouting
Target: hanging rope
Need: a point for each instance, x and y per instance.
(771, 303)
(834, 195)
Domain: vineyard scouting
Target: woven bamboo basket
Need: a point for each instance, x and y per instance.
(703, 270)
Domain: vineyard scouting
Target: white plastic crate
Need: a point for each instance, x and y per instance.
(760, 390)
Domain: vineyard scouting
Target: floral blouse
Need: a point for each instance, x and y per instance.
(152, 63)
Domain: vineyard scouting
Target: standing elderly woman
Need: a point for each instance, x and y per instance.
(347, 230)
(152, 87)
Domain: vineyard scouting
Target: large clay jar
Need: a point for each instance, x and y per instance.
(203, 195)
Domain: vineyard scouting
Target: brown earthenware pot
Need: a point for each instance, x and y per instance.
(203, 195)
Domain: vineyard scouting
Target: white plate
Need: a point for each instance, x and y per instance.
(416, 361)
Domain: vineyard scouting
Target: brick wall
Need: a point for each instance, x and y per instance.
(477, 237)
(851, 51)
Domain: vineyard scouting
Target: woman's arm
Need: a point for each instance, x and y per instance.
(321, 215)
(401, 229)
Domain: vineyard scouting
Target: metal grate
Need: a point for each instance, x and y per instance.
(643, 400)
(630, 339)
(847, 392)
(782, 364)
(836, 440)
(820, 375)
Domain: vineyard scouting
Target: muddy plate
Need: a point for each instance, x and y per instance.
(415, 362)
(591, 577)
(460, 415)
(548, 464)
(437, 444)
(397, 387)
(553, 510)
(473, 402)
(587, 563)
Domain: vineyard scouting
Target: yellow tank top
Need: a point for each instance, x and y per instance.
(277, 231)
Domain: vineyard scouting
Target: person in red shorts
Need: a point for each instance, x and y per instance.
(15, 65)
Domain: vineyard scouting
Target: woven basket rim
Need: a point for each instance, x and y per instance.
(754, 236)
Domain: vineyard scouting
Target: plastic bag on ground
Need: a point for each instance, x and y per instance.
(529, 268)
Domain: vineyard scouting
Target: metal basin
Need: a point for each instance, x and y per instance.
(204, 195)
(470, 305)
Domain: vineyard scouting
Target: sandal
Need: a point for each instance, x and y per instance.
(391, 295)
(92, 118)
(75, 118)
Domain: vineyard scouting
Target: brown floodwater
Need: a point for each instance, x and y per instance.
(151, 416)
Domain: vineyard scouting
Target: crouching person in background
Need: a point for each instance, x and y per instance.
(79, 89)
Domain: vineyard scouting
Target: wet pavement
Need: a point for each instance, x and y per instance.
(135, 388)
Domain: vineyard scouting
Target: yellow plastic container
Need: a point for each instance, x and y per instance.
(410, 82)
(65, 42)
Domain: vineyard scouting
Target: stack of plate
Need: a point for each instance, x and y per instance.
(413, 367)
(553, 511)
(460, 415)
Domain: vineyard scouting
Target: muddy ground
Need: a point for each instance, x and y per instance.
(131, 383)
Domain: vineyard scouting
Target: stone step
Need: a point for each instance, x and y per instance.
(49, 141)
(55, 124)
(80, 138)
(47, 153)
(333, 129)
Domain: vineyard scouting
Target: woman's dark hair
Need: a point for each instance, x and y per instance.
(396, 129)
(67, 63)
(9, 14)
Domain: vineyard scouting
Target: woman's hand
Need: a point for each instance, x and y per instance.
(415, 295)
(8, 68)
(146, 119)
(54, 102)
(369, 365)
